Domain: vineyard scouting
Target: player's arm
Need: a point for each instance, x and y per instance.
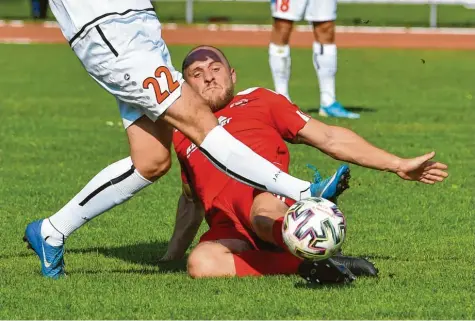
(345, 145)
(189, 216)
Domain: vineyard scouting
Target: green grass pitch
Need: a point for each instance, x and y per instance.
(54, 137)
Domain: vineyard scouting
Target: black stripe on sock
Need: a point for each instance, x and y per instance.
(56, 231)
(113, 181)
(231, 173)
(99, 30)
(315, 59)
(103, 16)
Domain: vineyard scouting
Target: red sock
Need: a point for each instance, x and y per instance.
(277, 233)
(257, 263)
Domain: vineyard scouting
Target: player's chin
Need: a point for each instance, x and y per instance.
(218, 99)
(216, 104)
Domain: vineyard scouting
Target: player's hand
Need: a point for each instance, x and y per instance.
(422, 169)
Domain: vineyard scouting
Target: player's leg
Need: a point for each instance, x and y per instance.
(215, 258)
(117, 69)
(235, 257)
(115, 184)
(279, 55)
(322, 14)
(267, 216)
(150, 159)
(284, 13)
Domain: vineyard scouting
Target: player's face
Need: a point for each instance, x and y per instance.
(213, 80)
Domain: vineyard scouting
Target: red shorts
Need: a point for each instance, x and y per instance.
(230, 215)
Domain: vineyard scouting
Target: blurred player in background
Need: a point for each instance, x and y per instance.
(322, 15)
(39, 8)
(245, 224)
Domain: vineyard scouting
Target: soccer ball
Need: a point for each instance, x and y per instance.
(314, 228)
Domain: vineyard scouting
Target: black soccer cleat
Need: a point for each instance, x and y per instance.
(325, 271)
(358, 266)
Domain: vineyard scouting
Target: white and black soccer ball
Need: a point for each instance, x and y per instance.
(314, 228)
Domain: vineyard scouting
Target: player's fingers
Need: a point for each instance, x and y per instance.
(426, 157)
(431, 165)
(426, 181)
(438, 172)
(434, 178)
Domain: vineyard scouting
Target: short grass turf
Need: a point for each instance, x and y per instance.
(59, 128)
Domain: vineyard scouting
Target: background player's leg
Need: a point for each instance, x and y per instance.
(322, 13)
(279, 55)
(192, 116)
(150, 159)
(325, 60)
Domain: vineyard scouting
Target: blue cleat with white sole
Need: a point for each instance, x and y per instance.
(337, 110)
(51, 257)
(331, 187)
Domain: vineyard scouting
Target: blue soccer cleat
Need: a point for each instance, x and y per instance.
(337, 110)
(331, 187)
(51, 257)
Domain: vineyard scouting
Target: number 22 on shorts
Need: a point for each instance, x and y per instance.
(160, 94)
(283, 5)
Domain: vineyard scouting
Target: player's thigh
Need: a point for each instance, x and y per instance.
(208, 252)
(224, 234)
(265, 210)
(150, 144)
(292, 10)
(321, 10)
(224, 246)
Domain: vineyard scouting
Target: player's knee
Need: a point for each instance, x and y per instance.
(325, 32)
(281, 31)
(152, 168)
(203, 262)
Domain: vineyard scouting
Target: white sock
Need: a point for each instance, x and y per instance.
(239, 161)
(279, 61)
(324, 61)
(114, 185)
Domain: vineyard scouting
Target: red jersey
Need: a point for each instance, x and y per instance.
(260, 119)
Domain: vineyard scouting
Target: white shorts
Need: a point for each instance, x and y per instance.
(310, 10)
(128, 57)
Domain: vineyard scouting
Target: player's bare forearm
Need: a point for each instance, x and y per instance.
(345, 145)
(189, 216)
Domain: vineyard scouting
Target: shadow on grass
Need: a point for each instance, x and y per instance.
(304, 285)
(146, 254)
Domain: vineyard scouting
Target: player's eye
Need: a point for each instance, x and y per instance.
(216, 69)
(197, 75)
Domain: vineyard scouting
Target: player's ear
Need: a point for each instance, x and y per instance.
(233, 75)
